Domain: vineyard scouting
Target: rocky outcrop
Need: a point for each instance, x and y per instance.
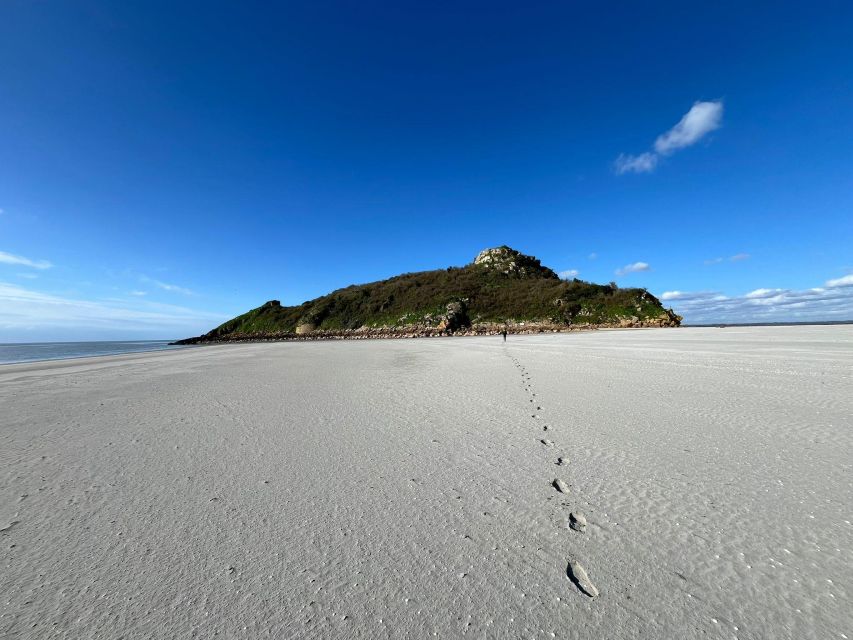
(666, 319)
(305, 328)
(456, 317)
(512, 263)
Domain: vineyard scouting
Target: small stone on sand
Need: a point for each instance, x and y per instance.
(577, 521)
(560, 485)
(547, 443)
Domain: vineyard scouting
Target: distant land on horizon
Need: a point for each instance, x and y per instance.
(767, 324)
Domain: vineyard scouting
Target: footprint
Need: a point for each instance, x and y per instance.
(9, 526)
(560, 485)
(577, 574)
(577, 521)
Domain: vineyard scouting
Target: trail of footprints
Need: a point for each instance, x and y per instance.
(576, 520)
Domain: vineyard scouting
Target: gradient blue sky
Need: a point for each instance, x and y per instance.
(165, 166)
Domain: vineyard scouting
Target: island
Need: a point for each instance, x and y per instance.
(501, 290)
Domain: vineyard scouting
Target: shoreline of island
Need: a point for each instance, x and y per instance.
(421, 331)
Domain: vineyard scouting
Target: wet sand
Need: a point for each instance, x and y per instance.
(418, 487)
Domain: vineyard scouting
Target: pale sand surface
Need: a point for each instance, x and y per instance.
(400, 489)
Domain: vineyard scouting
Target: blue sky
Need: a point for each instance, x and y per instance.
(163, 167)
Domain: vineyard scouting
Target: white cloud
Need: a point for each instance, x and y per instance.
(691, 295)
(738, 257)
(632, 268)
(843, 281)
(702, 118)
(28, 276)
(167, 287)
(30, 312)
(592, 256)
(763, 293)
(764, 305)
(21, 261)
(643, 163)
(139, 293)
(569, 273)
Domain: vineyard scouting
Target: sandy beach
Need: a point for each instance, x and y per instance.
(407, 488)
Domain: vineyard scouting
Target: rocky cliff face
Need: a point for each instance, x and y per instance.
(512, 263)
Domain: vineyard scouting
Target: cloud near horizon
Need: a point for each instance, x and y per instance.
(634, 267)
(21, 261)
(843, 281)
(833, 301)
(26, 311)
(569, 273)
(702, 118)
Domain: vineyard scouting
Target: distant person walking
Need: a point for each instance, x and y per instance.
(503, 333)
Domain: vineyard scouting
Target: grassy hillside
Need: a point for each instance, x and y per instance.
(501, 285)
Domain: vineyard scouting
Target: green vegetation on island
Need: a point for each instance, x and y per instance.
(501, 288)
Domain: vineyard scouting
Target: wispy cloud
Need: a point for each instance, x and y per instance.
(738, 257)
(569, 273)
(592, 256)
(688, 295)
(702, 118)
(173, 288)
(632, 268)
(25, 310)
(139, 293)
(643, 163)
(834, 301)
(21, 261)
(843, 281)
(763, 294)
(27, 276)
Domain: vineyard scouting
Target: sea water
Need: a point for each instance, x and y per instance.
(33, 351)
